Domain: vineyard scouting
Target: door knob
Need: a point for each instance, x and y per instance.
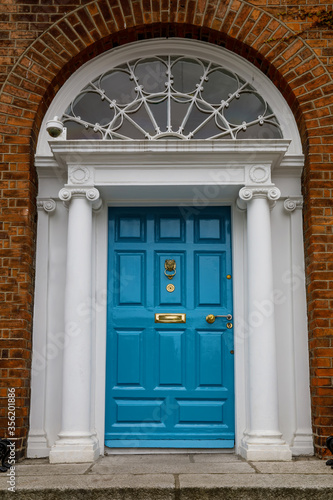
(211, 318)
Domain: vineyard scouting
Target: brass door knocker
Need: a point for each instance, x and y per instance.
(170, 265)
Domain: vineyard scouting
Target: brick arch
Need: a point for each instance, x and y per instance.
(89, 30)
(102, 24)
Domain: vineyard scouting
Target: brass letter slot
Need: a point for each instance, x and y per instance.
(170, 318)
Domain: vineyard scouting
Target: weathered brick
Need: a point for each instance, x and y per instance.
(57, 38)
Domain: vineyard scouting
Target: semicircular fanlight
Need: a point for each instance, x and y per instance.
(170, 97)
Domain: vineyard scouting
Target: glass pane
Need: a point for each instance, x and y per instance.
(159, 111)
(208, 130)
(151, 73)
(178, 113)
(169, 137)
(203, 106)
(218, 87)
(129, 130)
(118, 86)
(221, 122)
(245, 109)
(265, 131)
(117, 122)
(78, 131)
(90, 108)
(186, 74)
(141, 117)
(195, 119)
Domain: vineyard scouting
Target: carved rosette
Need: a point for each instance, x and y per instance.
(291, 204)
(259, 174)
(78, 175)
(48, 205)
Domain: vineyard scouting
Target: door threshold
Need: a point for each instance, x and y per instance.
(166, 451)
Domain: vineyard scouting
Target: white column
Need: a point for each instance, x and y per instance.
(303, 439)
(77, 442)
(262, 440)
(37, 440)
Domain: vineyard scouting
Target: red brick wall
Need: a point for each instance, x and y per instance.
(41, 45)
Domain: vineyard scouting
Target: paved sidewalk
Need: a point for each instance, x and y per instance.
(171, 477)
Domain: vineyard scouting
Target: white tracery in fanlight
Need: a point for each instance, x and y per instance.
(170, 97)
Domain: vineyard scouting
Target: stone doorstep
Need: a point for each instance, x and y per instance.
(171, 477)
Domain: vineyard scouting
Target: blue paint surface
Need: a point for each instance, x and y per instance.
(169, 385)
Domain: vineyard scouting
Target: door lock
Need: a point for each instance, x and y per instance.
(211, 318)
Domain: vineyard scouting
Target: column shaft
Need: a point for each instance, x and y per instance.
(77, 354)
(303, 439)
(262, 441)
(262, 355)
(37, 440)
(76, 441)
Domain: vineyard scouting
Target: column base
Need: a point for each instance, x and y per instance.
(74, 448)
(38, 446)
(302, 444)
(267, 447)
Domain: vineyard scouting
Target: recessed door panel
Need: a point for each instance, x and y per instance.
(129, 278)
(210, 277)
(171, 358)
(139, 411)
(165, 295)
(200, 412)
(169, 228)
(130, 228)
(169, 375)
(210, 359)
(129, 358)
(210, 228)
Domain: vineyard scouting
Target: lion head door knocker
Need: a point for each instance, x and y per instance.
(170, 266)
(170, 272)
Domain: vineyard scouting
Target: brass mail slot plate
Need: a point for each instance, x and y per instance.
(170, 318)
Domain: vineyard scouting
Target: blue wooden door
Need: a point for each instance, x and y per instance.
(169, 384)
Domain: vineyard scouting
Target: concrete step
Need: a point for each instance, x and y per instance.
(189, 476)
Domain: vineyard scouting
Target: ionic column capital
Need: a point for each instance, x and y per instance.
(272, 193)
(66, 194)
(247, 193)
(92, 194)
(291, 204)
(49, 205)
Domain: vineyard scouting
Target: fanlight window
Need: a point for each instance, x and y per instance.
(170, 97)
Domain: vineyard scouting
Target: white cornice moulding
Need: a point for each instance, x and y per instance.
(170, 145)
(290, 166)
(168, 153)
(47, 167)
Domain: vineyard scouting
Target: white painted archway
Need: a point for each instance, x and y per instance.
(262, 173)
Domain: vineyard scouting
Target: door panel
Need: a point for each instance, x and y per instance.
(169, 384)
(131, 268)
